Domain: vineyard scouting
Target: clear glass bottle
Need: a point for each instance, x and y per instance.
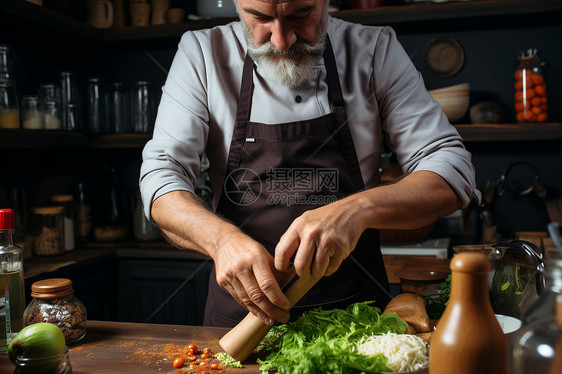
(96, 105)
(531, 99)
(52, 114)
(7, 63)
(67, 202)
(12, 297)
(53, 301)
(47, 231)
(142, 107)
(32, 113)
(118, 108)
(538, 348)
(83, 213)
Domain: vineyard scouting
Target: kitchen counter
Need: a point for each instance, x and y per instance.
(98, 251)
(118, 347)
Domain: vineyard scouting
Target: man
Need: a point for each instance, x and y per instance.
(292, 108)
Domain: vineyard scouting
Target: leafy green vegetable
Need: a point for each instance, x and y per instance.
(323, 341)
(228, 360)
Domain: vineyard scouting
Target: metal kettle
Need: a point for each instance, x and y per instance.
(518, 280)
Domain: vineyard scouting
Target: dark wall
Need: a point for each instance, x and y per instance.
(490, 61)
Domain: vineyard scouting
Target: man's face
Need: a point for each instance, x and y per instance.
(285, 38)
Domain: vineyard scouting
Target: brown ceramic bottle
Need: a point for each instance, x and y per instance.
(468, 338)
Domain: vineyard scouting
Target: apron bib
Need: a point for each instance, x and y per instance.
(277, 172)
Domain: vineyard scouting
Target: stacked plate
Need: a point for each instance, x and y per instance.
(453, 99)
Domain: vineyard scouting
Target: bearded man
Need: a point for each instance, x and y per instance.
(292, 109)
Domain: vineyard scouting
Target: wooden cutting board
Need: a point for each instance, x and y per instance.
(116, 347)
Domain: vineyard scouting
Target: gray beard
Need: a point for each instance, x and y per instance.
(292, 66)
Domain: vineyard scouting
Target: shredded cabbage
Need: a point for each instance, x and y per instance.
(404, 352)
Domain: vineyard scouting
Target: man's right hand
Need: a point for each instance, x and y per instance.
(246, 270)
(243, 266)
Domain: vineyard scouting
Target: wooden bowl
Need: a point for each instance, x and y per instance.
(454, 107)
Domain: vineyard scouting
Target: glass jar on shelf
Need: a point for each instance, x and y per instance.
(538, 347)
(53, 301)
(67, 202)
(47, 231)
(531, 99)
(9, 107)
(32, 113)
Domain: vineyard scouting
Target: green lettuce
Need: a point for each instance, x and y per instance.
(323, 341)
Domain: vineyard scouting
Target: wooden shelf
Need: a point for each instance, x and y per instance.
(49, 139)
(429, 11)
(504, 132)
(18, 10)
(16, 139)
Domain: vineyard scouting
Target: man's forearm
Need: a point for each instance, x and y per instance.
(416, 200)
(188, 224)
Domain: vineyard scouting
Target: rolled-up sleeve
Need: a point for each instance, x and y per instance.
(171, 159)
(414, 125)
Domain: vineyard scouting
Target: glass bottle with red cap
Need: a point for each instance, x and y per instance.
(12, 295)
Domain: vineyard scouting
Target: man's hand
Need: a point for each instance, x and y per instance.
(245, 269)
(319, 240)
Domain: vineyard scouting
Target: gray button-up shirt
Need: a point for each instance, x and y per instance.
(385, 97)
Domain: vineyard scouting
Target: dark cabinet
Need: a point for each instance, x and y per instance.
(163, 291)
(95, 285)
(112, 288)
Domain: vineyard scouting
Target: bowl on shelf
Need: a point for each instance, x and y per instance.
(454, 100)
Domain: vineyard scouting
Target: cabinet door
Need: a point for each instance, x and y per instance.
(163, 291)
(94, 283)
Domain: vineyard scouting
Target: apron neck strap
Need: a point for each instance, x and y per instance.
(334, 87)
(246, 88)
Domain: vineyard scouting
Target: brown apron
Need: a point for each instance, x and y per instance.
(277, 172)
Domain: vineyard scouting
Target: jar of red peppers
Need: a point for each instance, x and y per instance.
(531, 101)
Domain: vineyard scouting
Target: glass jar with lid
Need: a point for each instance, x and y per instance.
(530, 88)
(47, 231)
(54, 302)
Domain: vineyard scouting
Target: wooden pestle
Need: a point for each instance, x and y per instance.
(244, 337)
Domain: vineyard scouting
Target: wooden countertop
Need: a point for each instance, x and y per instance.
(118, 347)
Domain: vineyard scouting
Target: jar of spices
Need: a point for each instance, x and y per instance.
(53, 301)
(47, 231)
(530, 88)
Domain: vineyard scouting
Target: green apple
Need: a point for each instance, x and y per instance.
(38, 340)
